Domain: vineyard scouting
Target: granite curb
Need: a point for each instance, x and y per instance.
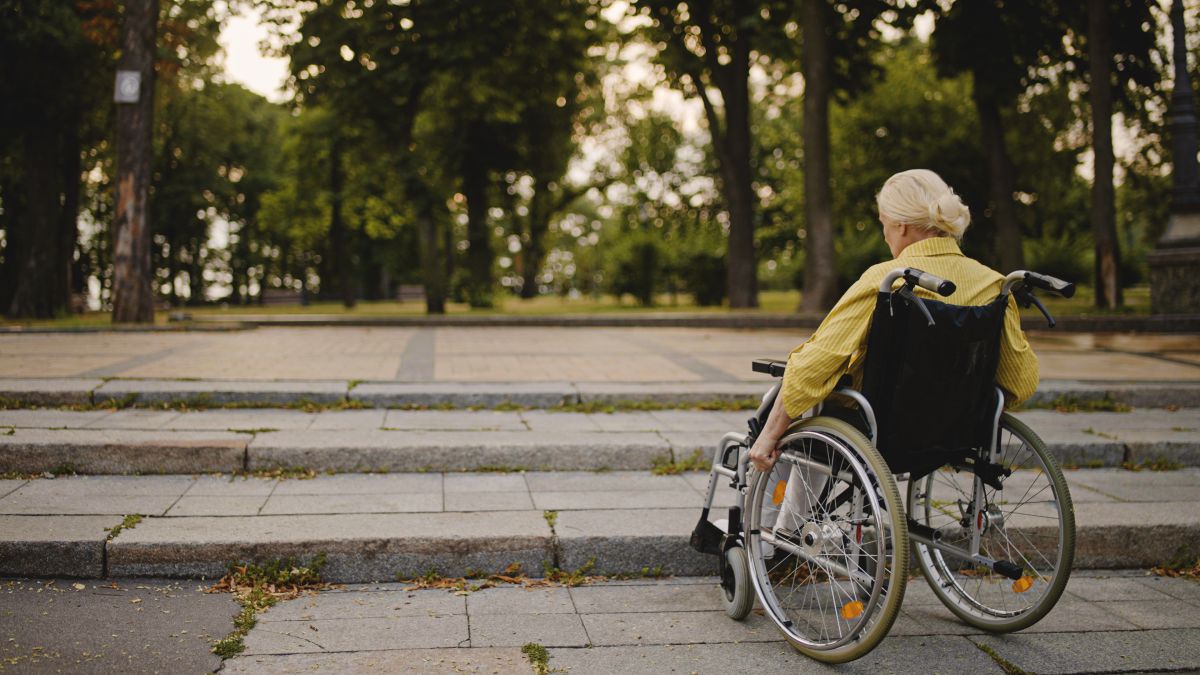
(386, 547)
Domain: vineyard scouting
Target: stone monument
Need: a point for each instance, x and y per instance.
(1175, 261)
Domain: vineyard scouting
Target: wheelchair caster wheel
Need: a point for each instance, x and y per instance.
(737, 595)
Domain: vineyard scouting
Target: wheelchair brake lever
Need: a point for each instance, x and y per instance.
(906, 293)
(1025, 298)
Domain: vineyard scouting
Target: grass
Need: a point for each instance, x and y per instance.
(1185, 565)
(1137, 301)
(539, 658)
(1156, 464)
(1007, 666)
(128, 523)
(551, 518)
(628, 405)
(697, 461)
(259, 587)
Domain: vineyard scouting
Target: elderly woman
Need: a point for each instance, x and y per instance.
(923, 221)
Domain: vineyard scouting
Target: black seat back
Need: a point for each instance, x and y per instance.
(932, 387)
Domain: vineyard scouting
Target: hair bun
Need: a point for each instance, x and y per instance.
(949, 214)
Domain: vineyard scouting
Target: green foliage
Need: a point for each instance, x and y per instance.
(1066, 256)
(128, 523)
(637, 267)
(697, 461)
(703, 275)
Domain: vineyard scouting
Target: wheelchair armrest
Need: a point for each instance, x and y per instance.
(772, 367)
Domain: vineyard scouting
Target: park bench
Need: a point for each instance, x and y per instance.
(282, 296)
(410, 292)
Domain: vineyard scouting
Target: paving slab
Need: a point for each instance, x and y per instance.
(50, 418)
(136, 419)
(231, 486)
(616, 499)
(475, 483)
(496, 661)
(1141, 486)
(610, 599)
(1121, 588)
(943, 654)
(351, 503)
(49, 391)
(586, 481)
(1129, 651)
(670, 392)
(1155, 614)
(1186, 590)
(648, 628)
(122, 451)
(8, 486)
(488, 501)
(244, 420)
(363, 484)
(548, 630)
(631, 540)
(220, 392)
(21, 502)
(355, 604)
(453, 450)
(509, 600)
(43, 546)
(348, 635)
(359, 547)
(454, 420)
(214, 506)
(111, 627)
(464, 394)
(348, 419)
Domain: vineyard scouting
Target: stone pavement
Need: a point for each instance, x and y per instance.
(1105, 622)
(515, 354)
(230, 440)
(375, 527)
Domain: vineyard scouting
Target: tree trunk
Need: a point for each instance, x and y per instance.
(341, 266)
(742, 270)
(133, 298)
(432, 262)
(1001, 180)
(68, 228)
(1104, 226)
(36, 255)
(535, 247)
(820, 274)
(479, 236)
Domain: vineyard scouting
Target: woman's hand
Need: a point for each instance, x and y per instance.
(764, 452)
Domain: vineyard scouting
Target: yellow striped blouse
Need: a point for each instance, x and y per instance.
(839, 344)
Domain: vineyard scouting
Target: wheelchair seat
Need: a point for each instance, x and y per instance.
(931, 380)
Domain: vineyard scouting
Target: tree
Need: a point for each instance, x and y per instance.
(133, 299)
(1004, 47)
(42, 129)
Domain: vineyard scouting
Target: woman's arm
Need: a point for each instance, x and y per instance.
(764, 452)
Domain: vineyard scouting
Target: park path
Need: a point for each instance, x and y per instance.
(515, 354)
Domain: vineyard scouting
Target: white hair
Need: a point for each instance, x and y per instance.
(920, 197)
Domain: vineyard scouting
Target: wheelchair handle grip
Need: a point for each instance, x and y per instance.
(1043, 281)
(915, 277)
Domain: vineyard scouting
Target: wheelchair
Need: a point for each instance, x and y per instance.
(824, 541)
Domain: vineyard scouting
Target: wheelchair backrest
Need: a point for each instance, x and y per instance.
(932, 387)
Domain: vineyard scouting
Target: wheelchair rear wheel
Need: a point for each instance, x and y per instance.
(830, 573)
(1030, 522)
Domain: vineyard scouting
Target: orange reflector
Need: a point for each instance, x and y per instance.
(1023, 584)
(777, 495)
(851, 610)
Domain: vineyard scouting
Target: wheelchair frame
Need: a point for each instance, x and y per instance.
(731, 458)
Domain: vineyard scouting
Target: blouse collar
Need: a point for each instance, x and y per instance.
(931, 247)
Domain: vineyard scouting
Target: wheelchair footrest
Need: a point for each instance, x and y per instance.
(707, 538)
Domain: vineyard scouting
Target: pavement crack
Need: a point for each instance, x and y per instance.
(298, 637)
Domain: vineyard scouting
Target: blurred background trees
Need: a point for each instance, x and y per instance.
(705, 150)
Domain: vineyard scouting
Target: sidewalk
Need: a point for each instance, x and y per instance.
(374, 527)
(1104, 622)
(230, 440)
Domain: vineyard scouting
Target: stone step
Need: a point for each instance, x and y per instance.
(384, 394)
(147, 441)
(374, 527)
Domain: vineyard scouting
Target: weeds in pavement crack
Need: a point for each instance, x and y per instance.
(128, 523)
(1007, 666)
(258, 587)
(538, 657)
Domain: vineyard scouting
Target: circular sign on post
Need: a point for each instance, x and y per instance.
(129, 86)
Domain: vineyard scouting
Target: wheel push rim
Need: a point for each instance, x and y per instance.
(1023, 523)
(828, 600)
